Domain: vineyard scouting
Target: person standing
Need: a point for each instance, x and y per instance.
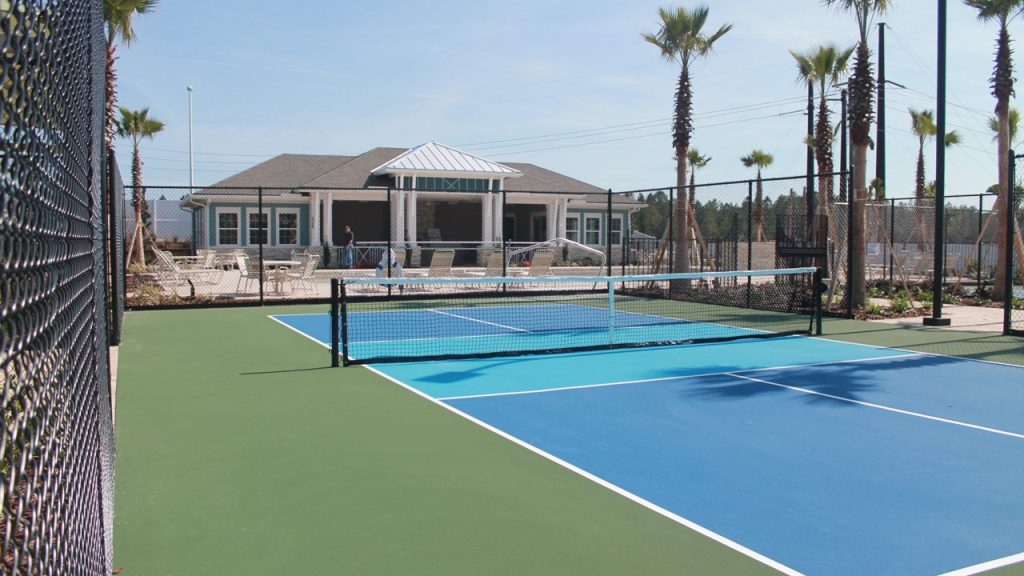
(347, 247)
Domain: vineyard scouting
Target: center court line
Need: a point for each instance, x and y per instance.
(880, 406)
(706, 532)
(668, 378)
(442, 312)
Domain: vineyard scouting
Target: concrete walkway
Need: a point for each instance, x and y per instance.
(962, 318)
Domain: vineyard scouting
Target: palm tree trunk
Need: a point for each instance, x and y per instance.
(861, 87)
(1003, 113)
(759, 211)
(139, 198)
(681, 141)
(682, 224)
(111, 99)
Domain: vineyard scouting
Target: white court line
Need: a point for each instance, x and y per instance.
(297, 331)
(602, 482)
(877, 347)
(480, 321)
(668, 378)
(986, 566)
(881, 407)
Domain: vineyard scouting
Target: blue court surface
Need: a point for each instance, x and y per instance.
(810, 455)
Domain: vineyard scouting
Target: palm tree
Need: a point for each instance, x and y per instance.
(118, 16)
(136, 125)
(825, 67)
(696, 160)
(923, 126)
(1002, 88)
(1014, 118)
(860, 113)
(761, 159)
(680, 40)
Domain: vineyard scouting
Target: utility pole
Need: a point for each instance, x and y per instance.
(191, 179)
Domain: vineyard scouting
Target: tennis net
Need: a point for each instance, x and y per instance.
(408, 319)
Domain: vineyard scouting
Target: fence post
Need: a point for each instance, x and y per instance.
(671, 232)
(750, 236)
(1010, 223)
(608, 234)
(386, 256)
(892, 238)
(981, 240)
(259, 227)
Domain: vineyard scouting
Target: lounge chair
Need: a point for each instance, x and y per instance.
(169, 272)
(441, 264)
(541, 263)
(494, 269)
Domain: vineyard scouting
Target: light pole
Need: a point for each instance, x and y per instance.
(936, 318)
(191, 181)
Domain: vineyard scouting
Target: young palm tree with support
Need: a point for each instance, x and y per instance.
(860, 113)
(696, 160)
(761, 159)
(136, 125)
(824, 67)
(1002, 11)
(680, 39)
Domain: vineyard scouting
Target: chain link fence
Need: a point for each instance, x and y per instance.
(56, 441)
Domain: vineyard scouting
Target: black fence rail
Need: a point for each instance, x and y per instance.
(56, 442)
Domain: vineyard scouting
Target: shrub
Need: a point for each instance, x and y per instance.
(873, 309)
(900, 303)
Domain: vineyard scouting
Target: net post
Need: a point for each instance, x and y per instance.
(819, 288)
(391, 225)
(344, 324)
(334, 322)
(611, 313)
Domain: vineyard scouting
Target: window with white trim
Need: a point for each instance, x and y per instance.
(592, 229)
(572, 228)
(259, 227)
(287, 227)
(616, 230)
(228, 220)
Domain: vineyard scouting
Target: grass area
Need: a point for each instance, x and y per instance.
(240, 452)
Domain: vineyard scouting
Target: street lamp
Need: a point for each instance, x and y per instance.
(191, 181)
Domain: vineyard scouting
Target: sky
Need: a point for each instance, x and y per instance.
(567, 85)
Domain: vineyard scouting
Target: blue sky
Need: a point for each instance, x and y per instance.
(570, 86)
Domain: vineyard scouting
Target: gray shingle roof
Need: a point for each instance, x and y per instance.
(297, 171)
(285, 171)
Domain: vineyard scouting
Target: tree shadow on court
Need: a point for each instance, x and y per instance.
(826, 383)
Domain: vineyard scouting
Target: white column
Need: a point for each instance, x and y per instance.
(487, 219)
(314, 220)
(398, 217)
(329, 217)
(498, 221)
(410, 215)
(551, 220)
